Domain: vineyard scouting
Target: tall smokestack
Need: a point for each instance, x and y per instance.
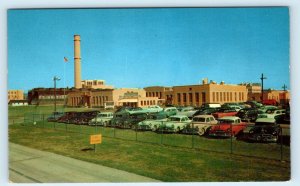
(77, 62)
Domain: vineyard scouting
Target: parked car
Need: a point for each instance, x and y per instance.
(200, 124)
(247, 114)
(224, 112)
(153, 108)
(175, 123)
(228, 126)
(264, 130)
(153, 121)
(55, 116)
(206, 111)
(187, 111)
(170, 111)
(254, 104)
(132, 120)
(102, 118)
(271, 113)
(284, 118)
(211, 105)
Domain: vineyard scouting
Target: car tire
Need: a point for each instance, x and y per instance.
(154, 128)
(201, 131)
(258, 138)
(177, 130)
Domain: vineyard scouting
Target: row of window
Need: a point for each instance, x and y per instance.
(154, 94)
(147, 102)
(99, 100)
(183, 97)
(227, 96)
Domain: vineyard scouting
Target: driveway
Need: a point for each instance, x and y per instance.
(27, 165)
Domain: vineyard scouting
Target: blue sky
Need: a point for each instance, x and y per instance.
(146, 47)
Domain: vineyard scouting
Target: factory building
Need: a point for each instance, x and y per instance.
(196, 95)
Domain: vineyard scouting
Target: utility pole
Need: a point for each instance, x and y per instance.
(284, 87)
(262, 87)
(55, 79)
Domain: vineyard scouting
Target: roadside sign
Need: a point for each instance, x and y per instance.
(95, 139)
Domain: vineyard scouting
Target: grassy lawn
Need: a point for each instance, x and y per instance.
(166, 157)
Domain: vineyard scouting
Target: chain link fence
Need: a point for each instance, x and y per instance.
(230, 145)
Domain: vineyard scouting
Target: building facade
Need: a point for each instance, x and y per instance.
(15, 95)
(95, 84)
(47, 95)
(196, 95)
(101, 98)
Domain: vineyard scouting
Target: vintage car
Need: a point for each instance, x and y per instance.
(170, 111)
(175, 123)
(200, 124)
(224, 112)
(153, 108)
(131, 120)
(187, 111)
(248, 114)
(153, 121)
(55, 116)
(229, 126)
(102, 119)
(271, 113)
(206, 111)
(264, 130)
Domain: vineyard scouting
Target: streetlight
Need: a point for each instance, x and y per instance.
(55, 79)
(262, 87)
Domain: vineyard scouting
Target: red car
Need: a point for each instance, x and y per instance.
(224, 112)
(227, 127)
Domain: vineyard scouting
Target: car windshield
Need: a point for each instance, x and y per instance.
(174, 119)
(225, 121)
(199, 119)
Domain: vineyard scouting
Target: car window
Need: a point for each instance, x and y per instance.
(207, 120)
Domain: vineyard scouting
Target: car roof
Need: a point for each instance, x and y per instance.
(269, 120)
(203, 116)
(178, 116)
(230, 117)
(106, 113)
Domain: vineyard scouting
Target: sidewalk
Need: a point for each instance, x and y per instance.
(27, 165)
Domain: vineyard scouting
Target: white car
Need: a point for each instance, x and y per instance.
(202, 123)
(102, 118)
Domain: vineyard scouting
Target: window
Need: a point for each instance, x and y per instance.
(214, 96)
(221, 98)
(197, 96)
(184, 97)
(178, 97)
(217, 96)
(190, 97)
(203, 97)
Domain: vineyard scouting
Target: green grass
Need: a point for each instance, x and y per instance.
(166, 157)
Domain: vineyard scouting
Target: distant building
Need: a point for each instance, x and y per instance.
(15, 95)
(280, 96)
(18, 102)
(46, 96)
(95, 84)
(103, 97)
(196, 95)
(164, 94)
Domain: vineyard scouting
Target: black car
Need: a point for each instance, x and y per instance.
(247, 114)
(206, 111)
(264, 130)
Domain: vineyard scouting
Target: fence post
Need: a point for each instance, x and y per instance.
(231, 136)
(43, 120)
(161, 134)
(192, 135)
(135, 128)
(281, 145)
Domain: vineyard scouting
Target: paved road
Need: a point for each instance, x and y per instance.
(27, 165)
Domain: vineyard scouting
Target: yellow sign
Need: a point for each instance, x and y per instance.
(95, 139)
